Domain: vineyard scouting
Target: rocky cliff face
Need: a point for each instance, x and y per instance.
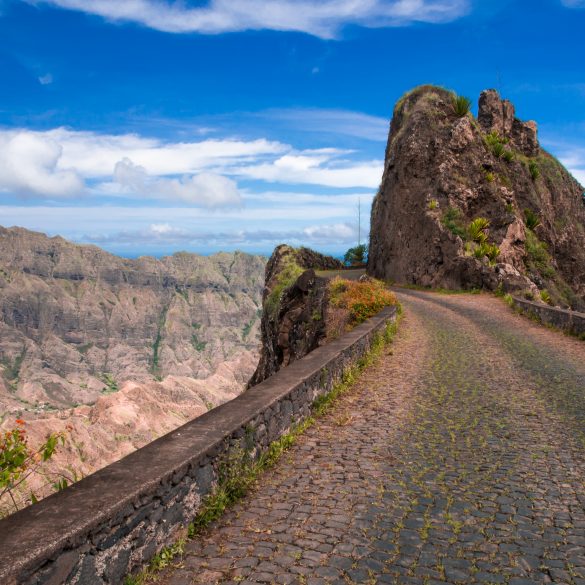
(444, 169)
(294, 308)
(124, 350)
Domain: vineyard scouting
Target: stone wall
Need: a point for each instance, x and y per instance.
(569, 321)
(113, 522)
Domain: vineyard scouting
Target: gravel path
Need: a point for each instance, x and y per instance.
(458, 458)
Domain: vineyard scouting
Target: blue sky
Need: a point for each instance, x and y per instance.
(148, 127)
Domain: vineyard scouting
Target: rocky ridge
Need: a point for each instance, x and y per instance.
(121, 350)
(294, 318)
(443, 170)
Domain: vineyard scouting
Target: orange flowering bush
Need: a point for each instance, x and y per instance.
(19, 461)
(363, 299)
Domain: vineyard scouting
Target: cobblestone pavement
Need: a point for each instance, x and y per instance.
(458, 458)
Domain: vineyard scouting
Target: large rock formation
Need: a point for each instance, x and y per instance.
(295, 305)
(443, 170)
(123, 350)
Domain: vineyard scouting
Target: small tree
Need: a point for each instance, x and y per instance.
(19, 461)
(356, 256)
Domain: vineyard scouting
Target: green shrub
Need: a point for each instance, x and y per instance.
(452, 220)
(461, 105)
(478, 230)
(534, 170)
(508, 155)
(537, 256)
(356, 256)
(545, 297)
(490, 177)
(532, 221)
(285, 279)
(492, 253)
(495, 144)
(481, 251)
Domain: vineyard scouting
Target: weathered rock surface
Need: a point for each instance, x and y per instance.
(441, 173)
(294, 309)
(123, 350)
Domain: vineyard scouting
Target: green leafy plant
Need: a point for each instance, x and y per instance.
(490, 177)
(111, 386)
(495, 144)
(545, 297)
(453, 221)
(532, 221)
(537, 255)
(534, 170)
(285, 279)
(461, 105)
(356, 256)
(433, 204)
(478, 230)
(19, 462)
(508, 155)
(492, 253)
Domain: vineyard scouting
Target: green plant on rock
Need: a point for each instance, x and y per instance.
(495, 144)
(545, 297)
(111, 386)
(534, 170)
(453, 221)
(478, 230)
(433, 204)
(490, 177)
(508, 155)
(532, 221)
(537, 255)
(285, 279)
(481, 251)
(461, 105)
(492, 253)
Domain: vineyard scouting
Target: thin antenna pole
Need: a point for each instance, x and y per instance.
(359, 221)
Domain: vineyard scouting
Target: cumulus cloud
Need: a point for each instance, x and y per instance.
(323, 18)
(31, 165)
(205, 189)
(315, 169)
(339, 233)
(64, 163)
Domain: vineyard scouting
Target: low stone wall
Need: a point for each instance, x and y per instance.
(113, 522)
(569, 321)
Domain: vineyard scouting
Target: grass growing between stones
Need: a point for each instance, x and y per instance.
(240, 471)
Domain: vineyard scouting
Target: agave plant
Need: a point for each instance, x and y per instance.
(478, 230)
(461, 105)
(492, 253)
(532, 220)
(534, 170)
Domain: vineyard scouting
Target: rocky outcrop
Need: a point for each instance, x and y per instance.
(121, 350)
(443, 170)
(294, 308)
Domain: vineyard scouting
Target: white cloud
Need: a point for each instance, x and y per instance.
(573, 3)
(30, 165)
(336, 233)
(64, 163)
(46, 79)
(322, 18)
(311, 170)
(205, 189)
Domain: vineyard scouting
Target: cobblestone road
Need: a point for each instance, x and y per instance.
(458, 458)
